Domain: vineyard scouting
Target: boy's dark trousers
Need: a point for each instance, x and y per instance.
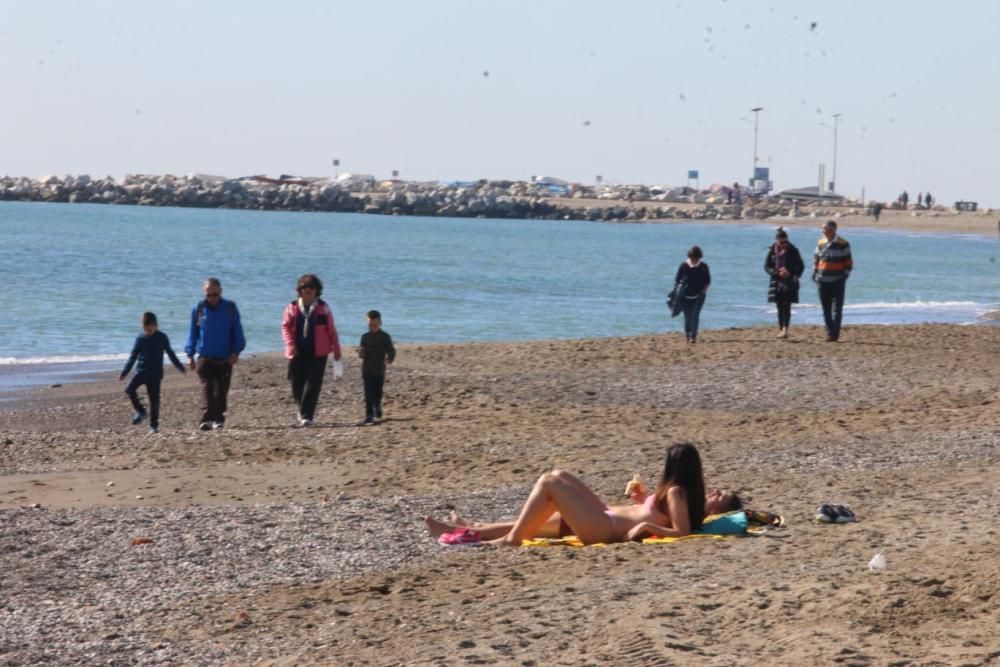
(373, 393)
(215, 375)
(831, 297)
(153, 388)
(306, 375)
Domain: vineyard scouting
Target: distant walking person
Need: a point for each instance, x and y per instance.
(877, 210)
(148, 351)
(832, 266)
(216, 337)
(376, 350)
(695, 276)
(785, 266)
(310, 336)
(928, 200)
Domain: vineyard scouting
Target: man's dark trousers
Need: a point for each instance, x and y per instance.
(214, 375)
(831, 296)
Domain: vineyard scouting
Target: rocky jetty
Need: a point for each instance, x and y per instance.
(483, 199)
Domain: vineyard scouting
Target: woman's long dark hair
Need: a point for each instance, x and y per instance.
(683, 469)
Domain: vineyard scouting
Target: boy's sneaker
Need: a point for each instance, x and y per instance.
(217, 425)
(303, 422)
(153, 430)
(138, 417)
(205, 426)
(369, 421)
(378, 413)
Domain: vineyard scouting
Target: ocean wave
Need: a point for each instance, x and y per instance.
(66, 359)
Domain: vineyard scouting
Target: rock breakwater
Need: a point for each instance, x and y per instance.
(484, 198)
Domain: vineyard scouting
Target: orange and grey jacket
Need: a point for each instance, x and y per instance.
(832, 260)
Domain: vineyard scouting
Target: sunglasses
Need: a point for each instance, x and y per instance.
(308, 286)
(213, 295)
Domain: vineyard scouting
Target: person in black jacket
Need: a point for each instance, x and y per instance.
(377, 350)
(785, 266)
(697, 278)
(148, 351)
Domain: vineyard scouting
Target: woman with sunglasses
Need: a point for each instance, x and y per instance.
(784, 265)
(310, 336)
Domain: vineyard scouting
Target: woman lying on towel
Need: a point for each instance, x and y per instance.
(561, 504)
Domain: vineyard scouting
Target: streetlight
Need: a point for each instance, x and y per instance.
(756, 116)
(836, 122)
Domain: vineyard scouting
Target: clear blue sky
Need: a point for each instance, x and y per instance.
(635, 91)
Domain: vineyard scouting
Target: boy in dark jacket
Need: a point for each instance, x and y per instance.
(148, 350)
(376, 350)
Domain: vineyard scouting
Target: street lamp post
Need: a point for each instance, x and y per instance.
(836, 121)
(756, 116)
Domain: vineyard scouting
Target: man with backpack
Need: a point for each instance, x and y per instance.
(216, 337)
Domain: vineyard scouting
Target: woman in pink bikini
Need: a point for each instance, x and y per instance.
(561, 504)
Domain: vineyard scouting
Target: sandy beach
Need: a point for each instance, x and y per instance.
(269, 544)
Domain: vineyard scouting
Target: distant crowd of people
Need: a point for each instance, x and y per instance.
(216, 340)
(832, 265)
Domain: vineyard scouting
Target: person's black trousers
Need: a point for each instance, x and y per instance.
(784, 306)
(373, 393)
(215, 376)
(153, 389)
(831, 297)
(305, 373)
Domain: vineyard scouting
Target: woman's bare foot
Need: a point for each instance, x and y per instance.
(459, 521)
(502, 542)
(438, 528)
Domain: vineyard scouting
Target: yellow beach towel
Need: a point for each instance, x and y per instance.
(573, 541)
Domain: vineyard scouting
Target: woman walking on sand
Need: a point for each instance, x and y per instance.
(694, 274)
(561, 504)
(310, 336)
(784, 265)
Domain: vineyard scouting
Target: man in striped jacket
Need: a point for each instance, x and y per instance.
(832, 265)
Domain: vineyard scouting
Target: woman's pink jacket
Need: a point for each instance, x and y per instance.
(324, 335)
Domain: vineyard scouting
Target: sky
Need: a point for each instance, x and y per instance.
(636, 92)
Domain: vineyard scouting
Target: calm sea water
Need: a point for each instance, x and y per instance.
(75, 278)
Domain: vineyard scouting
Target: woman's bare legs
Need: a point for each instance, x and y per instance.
(487, 531)
(549, 529)
(562, 492)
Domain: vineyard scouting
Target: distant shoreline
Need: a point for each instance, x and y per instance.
(480, 199)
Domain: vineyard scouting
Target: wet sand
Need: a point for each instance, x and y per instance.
(271, 544)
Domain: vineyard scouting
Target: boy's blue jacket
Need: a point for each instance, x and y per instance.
(149, 352)
(218, 334)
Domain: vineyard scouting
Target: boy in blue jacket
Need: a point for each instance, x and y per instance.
(148, 351)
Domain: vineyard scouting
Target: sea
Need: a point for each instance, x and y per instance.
(75, 278)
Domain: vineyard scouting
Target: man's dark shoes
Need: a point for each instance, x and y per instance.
(138, 417)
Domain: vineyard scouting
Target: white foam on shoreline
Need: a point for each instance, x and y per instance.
(66, 359)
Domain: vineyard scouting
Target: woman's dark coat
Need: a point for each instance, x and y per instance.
(793, 262)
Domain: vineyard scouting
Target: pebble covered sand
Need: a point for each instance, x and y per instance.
(270, 544)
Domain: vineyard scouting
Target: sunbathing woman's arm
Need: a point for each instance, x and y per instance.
(677, 508)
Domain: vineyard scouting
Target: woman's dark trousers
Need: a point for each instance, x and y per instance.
(692, 312)
(306, 376)
(784, 306)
